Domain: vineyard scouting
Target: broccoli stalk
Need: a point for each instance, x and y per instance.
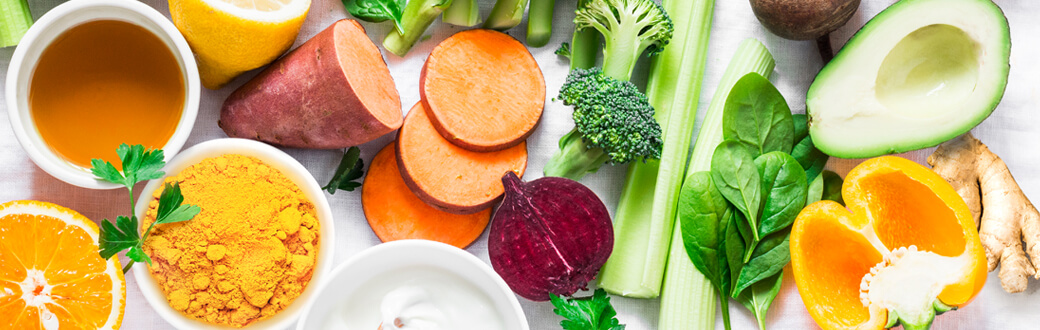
(418, 15)
(609, 112)
(629, 27)
(462, 13)
(506, 14)
(584, 46)
(539, 22)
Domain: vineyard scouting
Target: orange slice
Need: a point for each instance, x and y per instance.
(51, 276)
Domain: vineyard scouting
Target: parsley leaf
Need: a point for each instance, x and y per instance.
(170, 208)
(351, 168)
(588, 313)
(377, 11)
(119, 236)
(138, 165)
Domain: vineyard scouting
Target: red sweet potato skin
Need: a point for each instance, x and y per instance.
(309, 99)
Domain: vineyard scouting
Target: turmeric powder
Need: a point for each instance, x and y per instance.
(247, 255)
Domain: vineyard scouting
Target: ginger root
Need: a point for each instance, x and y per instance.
(1007, 216)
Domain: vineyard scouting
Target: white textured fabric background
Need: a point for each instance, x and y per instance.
(1011, 132)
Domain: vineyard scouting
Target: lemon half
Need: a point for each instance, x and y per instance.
(230, 37)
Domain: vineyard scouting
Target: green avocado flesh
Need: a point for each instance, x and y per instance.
(919, 73)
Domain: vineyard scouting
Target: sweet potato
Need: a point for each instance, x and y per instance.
(332, 92)
(483, 90)
(394, 212)
(448, 177)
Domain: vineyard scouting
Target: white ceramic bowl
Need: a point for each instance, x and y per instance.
(53, 24)
(390, 257)
(289, 167)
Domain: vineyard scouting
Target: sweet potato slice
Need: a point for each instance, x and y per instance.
(394, 212)
(483, 90)
(332, 92)
(448, 177)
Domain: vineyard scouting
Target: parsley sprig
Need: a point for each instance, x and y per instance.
(351, 167)
(588, 313)
(139, 165)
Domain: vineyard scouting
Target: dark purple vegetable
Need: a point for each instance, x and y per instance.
(549, 235)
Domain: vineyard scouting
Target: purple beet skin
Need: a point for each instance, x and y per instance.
(549, 235)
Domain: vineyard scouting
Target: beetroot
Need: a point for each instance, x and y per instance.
(549, 235)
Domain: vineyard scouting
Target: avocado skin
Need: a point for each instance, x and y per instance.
(837, 149)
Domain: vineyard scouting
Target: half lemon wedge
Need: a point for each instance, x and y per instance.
(230, 37)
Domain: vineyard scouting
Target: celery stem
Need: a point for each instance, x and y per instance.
(681, 277)
(646, 211)
(15, 19)
(462, 13)
(539, 22)
(418, 15)
(506, 14)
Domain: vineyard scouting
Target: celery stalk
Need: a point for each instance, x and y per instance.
(646, 212)
(418, 15)
(506, 14)
(15, 19)
(687, 298)
(462, 13)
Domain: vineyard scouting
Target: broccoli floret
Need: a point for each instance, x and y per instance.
(614, 123)
(629, 28)
(564, 50)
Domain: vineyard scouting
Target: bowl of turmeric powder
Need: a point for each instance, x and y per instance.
(255, 253)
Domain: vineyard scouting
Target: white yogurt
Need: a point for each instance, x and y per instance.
(417, 298)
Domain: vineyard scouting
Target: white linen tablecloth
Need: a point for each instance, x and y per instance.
(1011, 132)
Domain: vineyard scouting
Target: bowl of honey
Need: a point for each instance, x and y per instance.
(93, 74)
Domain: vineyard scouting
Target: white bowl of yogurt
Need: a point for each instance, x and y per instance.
(413, 285)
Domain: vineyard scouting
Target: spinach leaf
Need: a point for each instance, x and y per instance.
(801, 126)
(735, 176)
(756, 114)
(734, 250)
(760, 297)
(703, 218)
(377, 11)
(811, 159)
(769, 258)
(815, 192)
(832, 187)
(783, 191)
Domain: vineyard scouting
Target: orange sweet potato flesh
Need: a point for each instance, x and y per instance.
(483, 90)
(447, 176)
(334, 91)
(896, 203)
(395, 213)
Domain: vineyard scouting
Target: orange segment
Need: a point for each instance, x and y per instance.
(51, 275)
(829, 261)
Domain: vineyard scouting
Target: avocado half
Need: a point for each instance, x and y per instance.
(919, 73)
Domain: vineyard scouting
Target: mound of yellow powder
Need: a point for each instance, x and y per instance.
(247, 255)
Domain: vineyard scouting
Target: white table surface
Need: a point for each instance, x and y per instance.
(1011, 132)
